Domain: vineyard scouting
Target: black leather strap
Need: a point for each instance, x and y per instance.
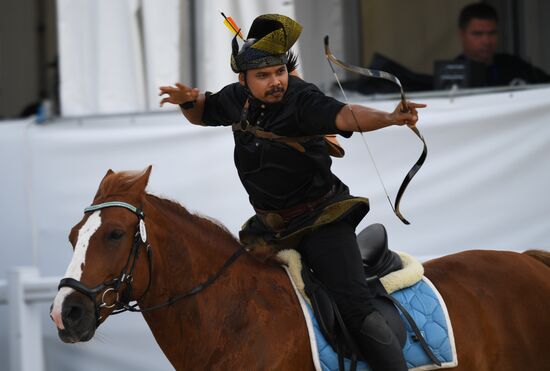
(78, 286)
(194, 290)
(415, 329)
(188, 105)
(338, 335)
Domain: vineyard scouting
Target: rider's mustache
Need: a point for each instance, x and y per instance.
(277, 89)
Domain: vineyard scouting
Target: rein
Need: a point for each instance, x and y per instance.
(126, 275)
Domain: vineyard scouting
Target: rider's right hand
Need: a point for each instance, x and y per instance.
(178, 94)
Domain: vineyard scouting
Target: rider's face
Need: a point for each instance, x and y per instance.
(479, 40)
(267, 84)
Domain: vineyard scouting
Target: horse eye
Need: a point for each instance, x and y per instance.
(116, 235)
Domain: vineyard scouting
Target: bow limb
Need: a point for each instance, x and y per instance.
(387, 76)
(412, 172)
(365, 71)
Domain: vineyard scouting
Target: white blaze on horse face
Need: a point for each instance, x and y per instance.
(74, 270)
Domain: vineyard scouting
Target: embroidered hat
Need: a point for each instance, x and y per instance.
(270, 38)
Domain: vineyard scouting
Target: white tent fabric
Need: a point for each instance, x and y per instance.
(484, 185)
(114, 54)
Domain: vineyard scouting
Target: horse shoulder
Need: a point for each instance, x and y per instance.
(266, 323)
(275, 304)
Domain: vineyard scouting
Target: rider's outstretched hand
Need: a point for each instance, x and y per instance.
(408, 116)
(178, 94)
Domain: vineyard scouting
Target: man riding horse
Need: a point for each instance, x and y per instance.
(282, 155)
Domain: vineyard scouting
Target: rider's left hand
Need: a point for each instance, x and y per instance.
(407, 116)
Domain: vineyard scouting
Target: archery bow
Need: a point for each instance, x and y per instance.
(387, 76)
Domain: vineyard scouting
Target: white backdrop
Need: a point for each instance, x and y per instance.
(484, 185)
(114, 54)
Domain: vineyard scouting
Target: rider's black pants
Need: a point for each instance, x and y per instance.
(332, 253)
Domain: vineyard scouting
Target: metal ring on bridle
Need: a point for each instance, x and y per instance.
(104, 304)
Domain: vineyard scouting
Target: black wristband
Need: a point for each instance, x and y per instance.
(188, 105)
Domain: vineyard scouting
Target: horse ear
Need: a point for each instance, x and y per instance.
(109, 172)
(143, 179)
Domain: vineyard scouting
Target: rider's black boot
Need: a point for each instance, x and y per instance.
(379, 345)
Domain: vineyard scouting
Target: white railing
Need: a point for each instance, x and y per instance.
(22, 292)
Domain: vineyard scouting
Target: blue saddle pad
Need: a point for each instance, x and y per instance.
(422, 301)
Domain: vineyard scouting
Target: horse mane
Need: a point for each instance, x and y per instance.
(122, 183)
(208, 227)
(540, 255)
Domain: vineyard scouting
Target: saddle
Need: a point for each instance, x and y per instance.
(378, 261)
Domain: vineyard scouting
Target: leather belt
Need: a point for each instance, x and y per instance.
(277, 219)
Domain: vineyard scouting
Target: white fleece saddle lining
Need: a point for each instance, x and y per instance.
(410, 274)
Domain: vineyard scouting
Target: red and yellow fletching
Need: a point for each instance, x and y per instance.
(232, 26)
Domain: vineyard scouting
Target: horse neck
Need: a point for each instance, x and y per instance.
(240, 306)
(186, 248)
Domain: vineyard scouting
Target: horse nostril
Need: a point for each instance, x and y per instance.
(73, 313)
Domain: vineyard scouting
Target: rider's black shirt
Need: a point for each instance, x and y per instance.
(275, 175)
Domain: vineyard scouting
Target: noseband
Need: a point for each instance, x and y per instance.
(121, 303)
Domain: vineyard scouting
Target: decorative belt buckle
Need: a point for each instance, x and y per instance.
(274, 221)
(244, 125)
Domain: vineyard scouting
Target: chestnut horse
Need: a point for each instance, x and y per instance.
(211, 308)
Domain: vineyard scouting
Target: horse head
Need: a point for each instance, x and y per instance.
(184, 274)
(106, 272)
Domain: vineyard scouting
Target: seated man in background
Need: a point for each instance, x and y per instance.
(479, 37)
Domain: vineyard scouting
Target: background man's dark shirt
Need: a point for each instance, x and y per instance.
(275, 175)
(503, 71)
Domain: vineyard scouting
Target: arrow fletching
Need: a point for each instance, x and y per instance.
(232, 26)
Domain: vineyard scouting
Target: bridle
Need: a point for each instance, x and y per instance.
(126, 276)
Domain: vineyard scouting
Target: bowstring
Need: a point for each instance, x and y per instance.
(362, 134)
